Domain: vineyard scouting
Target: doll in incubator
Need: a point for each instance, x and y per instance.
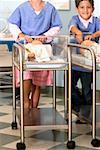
(96, 48)
(36, 51)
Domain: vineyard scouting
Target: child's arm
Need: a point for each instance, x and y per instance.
(78, 34)
(53, 31)
(93, 36)
(17, 33)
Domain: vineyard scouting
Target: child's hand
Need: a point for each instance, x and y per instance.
(21, 36)
(79, 37)
(88, 37)
(36, 42)
(27, 38)
(41, 38)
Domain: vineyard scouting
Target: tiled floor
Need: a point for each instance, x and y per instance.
(44, 138)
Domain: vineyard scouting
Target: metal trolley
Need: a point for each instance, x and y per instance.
(74, 59)
(59, 61)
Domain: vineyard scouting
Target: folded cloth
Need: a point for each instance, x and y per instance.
(42, 52)
(96, 48)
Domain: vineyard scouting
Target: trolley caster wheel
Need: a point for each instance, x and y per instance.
(70, 144)
(95, 143)
(20, 146)
(14, 125)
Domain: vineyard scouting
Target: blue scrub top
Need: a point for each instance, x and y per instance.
(92, 27)
(34, 24)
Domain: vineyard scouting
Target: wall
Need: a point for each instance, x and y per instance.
(7, 6)
(66, 15)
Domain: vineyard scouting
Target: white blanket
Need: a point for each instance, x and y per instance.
(42, 52)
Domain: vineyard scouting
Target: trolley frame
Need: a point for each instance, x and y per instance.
(21, 66)
(95, 142)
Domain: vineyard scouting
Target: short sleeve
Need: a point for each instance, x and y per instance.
(55, 18)
(98, 24)
(73, 22)
(15, 18)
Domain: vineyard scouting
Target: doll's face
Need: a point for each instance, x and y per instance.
(85, 9)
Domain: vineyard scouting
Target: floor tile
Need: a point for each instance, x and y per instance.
(44, 138)
(5, 139)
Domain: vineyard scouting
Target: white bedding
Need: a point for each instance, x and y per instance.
(42, 52)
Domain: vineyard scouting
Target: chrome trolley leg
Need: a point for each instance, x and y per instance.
(54, 89)
(65, 95)
(21, 145)
(95, 142)
(14, 123)
(70, 143)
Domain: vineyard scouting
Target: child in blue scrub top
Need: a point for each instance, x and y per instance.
(83, 26)
(34, 18)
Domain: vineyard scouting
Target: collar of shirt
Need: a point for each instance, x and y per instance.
(86, 22)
